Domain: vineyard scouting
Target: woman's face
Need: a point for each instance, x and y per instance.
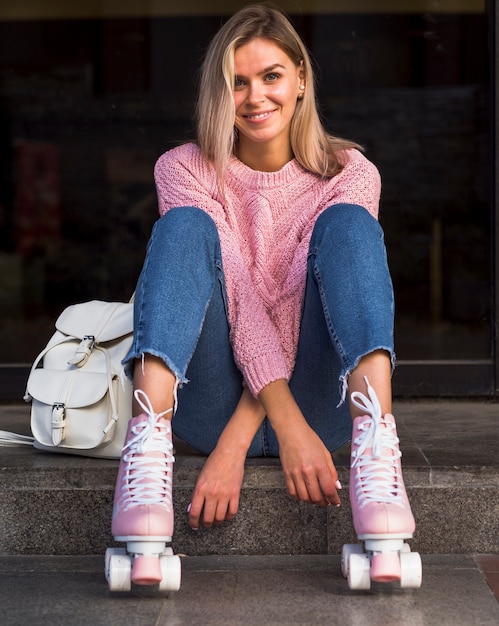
(266, 89)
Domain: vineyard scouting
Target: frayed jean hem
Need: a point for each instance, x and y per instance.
(129, 364)
(345, 374)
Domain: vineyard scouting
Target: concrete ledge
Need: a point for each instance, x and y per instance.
(61, 505)
(55, 504)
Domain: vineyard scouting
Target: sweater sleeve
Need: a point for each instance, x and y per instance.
(358, 183)
(254, 338)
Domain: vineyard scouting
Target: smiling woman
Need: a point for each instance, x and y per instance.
(265, 100)
(99, 90)
(218, 96)
(277, 293)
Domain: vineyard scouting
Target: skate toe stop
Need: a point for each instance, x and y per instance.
(146, 570)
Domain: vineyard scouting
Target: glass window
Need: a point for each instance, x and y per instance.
(91, 93)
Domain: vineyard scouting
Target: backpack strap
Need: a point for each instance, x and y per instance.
(13, 439)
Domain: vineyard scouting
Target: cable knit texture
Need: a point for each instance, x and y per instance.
(265, 222)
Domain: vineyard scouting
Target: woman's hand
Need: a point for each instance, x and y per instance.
(308, 467)
(306, 462)
(216, 495)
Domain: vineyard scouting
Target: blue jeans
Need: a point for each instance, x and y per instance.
(347, 313)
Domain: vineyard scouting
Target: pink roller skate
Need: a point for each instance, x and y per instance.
(381, 512)
(143, 507)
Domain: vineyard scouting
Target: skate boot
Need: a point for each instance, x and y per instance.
(381, 512)
(143, 506)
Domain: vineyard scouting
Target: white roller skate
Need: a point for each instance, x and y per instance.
(143, 506)
(381, 512)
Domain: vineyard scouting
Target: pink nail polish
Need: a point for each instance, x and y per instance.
(189, 507)
(338, 485)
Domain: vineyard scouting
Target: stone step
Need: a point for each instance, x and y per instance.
(61, 505)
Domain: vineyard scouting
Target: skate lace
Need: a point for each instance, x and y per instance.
(377, 455)
(148, 479)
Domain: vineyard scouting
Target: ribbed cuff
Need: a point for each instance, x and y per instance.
(262, 371)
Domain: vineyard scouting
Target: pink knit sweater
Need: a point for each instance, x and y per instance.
(265, 224)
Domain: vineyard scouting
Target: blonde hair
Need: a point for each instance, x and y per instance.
(315, 149)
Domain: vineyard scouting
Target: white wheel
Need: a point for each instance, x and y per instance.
(411, 569)
(118, 571)
(171, 572)
(109, 553)
(359, 574)
(347, 550)
(405, 548)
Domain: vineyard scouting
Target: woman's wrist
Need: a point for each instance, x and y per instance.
(240, 430)
(280, 406)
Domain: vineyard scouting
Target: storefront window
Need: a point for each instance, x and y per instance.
(92, 93)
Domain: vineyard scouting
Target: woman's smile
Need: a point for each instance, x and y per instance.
(259, 116)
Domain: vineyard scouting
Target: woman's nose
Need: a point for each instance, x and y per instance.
(256, 93)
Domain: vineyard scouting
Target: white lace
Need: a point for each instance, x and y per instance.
(377, 454)
(148, 479)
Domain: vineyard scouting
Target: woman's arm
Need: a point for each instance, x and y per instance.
(216, 495)
(358, 183)
(307, 464)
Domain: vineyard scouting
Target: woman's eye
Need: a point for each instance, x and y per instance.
(272, 77)
(238, 83)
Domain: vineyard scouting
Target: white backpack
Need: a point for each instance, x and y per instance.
(80, 399)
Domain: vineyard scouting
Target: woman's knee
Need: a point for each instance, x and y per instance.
(345, 223)
(346, 215)
(187, 222)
